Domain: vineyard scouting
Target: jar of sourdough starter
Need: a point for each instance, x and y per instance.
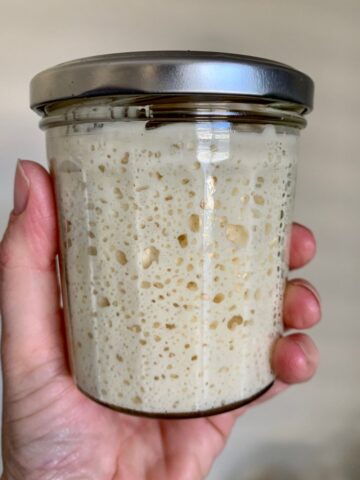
(174, 175)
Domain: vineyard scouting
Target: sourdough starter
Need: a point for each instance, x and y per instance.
(174, 251)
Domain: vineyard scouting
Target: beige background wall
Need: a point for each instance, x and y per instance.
(313, 431)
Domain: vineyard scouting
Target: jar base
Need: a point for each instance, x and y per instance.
(182, 415)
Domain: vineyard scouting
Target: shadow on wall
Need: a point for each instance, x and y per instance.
(337, 458)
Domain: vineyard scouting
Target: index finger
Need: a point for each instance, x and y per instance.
(302, 246)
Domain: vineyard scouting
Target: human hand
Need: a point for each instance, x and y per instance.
(50, 429)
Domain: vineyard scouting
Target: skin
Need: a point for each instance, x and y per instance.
(51, 431)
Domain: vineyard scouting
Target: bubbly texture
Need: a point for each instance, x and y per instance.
(174, 246)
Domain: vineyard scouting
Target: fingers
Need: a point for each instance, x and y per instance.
(302, 246)
(28, 289)
(302, 307)
(295, 358)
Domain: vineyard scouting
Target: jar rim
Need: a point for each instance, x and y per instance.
(171, 72)
(156, 110)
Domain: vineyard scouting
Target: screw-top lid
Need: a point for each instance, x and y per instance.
(171, 72)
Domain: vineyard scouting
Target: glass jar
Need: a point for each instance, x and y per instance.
(174, 210)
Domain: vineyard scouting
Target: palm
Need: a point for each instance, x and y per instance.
(50, 429)
(60, 428)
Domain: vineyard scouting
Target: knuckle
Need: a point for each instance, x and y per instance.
(27, 245)
(7, 254)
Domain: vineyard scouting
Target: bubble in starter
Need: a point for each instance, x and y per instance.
(183, 240)
(219, 297)
(118, 193)
(237, 234)
(234, 322)
(103, 302)
(125, 158)
(194, 222)
(150, 255)
(213, 325)
(267, 228)
(121, 257)
(192, 286)
(259, 199)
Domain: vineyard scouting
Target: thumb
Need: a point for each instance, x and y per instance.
(29, 296)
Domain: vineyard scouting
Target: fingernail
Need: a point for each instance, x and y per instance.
(309, 349)
(308, 286)
(21, 189)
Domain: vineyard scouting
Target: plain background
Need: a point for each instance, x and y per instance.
(312, 432)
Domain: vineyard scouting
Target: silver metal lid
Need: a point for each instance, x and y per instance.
(171, 72)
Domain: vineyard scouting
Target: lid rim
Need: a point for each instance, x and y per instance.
(171, 72)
